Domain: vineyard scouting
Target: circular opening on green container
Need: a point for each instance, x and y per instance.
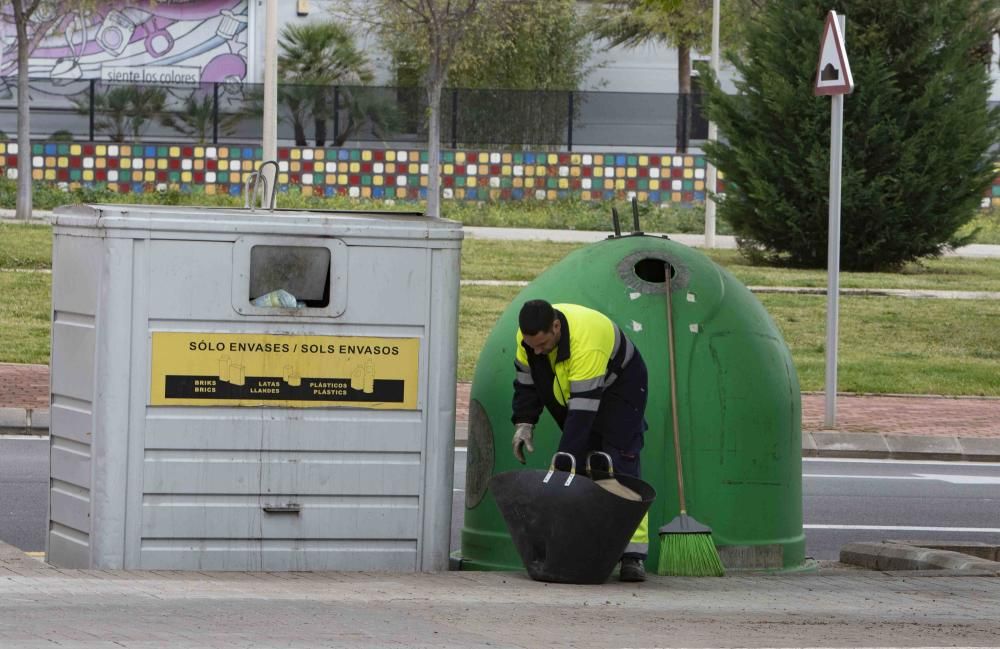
(653, 270)
(643, 271)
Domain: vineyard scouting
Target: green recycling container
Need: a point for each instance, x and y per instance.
(739, 404)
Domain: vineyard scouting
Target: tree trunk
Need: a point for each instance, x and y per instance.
(320, 131)
(299, 130)
(684, 96)
(435, 82)
(23, 205)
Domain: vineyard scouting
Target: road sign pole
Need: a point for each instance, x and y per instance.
(834, 78)
(833, 260)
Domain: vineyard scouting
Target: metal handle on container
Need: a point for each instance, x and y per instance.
(611, 466)
(289, 508)
(552, 467)
(250, 192)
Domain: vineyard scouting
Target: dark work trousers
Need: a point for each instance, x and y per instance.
(619, 430)
(620, 426)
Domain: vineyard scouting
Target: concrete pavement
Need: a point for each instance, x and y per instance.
(836, 607)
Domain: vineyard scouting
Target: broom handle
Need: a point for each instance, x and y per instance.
(673, 390)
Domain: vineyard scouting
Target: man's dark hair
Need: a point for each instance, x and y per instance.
(536, 316)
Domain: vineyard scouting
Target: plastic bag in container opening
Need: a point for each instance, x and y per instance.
(279, 298)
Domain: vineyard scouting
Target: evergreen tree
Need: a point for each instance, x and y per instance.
(917, 135)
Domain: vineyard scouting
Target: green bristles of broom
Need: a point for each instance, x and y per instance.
(687, 550)
(686, 546)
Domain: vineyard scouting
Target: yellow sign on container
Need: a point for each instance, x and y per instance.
(216, 369)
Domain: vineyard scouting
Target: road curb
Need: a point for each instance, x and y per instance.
(24, 421)
(899, 447)
(896, 556)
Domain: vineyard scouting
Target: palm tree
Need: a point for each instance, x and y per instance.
(313, 57)
(125, 112)
(370, 109)
(196, 119)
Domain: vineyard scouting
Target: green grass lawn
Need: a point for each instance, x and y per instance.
(479, 308)
(25, 312)
(25, 246)
(887, 344)
(524, 260)
(985, 225)
(894, 345)
(945, 273)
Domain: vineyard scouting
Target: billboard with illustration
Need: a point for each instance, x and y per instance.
(132, 41)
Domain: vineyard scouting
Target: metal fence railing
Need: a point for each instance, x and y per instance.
(217, 113)
(224, 113)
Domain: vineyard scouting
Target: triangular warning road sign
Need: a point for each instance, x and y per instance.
(833, 73)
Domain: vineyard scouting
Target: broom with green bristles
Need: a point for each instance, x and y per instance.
(686, 546)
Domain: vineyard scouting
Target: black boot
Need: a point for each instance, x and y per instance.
(632, 569)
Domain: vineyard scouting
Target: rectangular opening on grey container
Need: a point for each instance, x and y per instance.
(290, 276)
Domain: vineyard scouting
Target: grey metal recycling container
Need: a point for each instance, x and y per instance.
(194, 428)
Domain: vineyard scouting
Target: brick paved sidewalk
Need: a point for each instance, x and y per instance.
(893, 415)
(24, 386)
(27, 386)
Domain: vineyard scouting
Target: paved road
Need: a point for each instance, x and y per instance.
(24, 477)
(872, 500)
(847, 500)
(843, 500)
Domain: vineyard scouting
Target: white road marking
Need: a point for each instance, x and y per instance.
(904, 528)
(850, 460)
(940, 477)
(862, 477)
(962, 479)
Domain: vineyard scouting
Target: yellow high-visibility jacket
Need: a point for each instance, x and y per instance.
(593, 357)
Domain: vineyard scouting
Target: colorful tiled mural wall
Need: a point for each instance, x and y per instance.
(376, 173)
